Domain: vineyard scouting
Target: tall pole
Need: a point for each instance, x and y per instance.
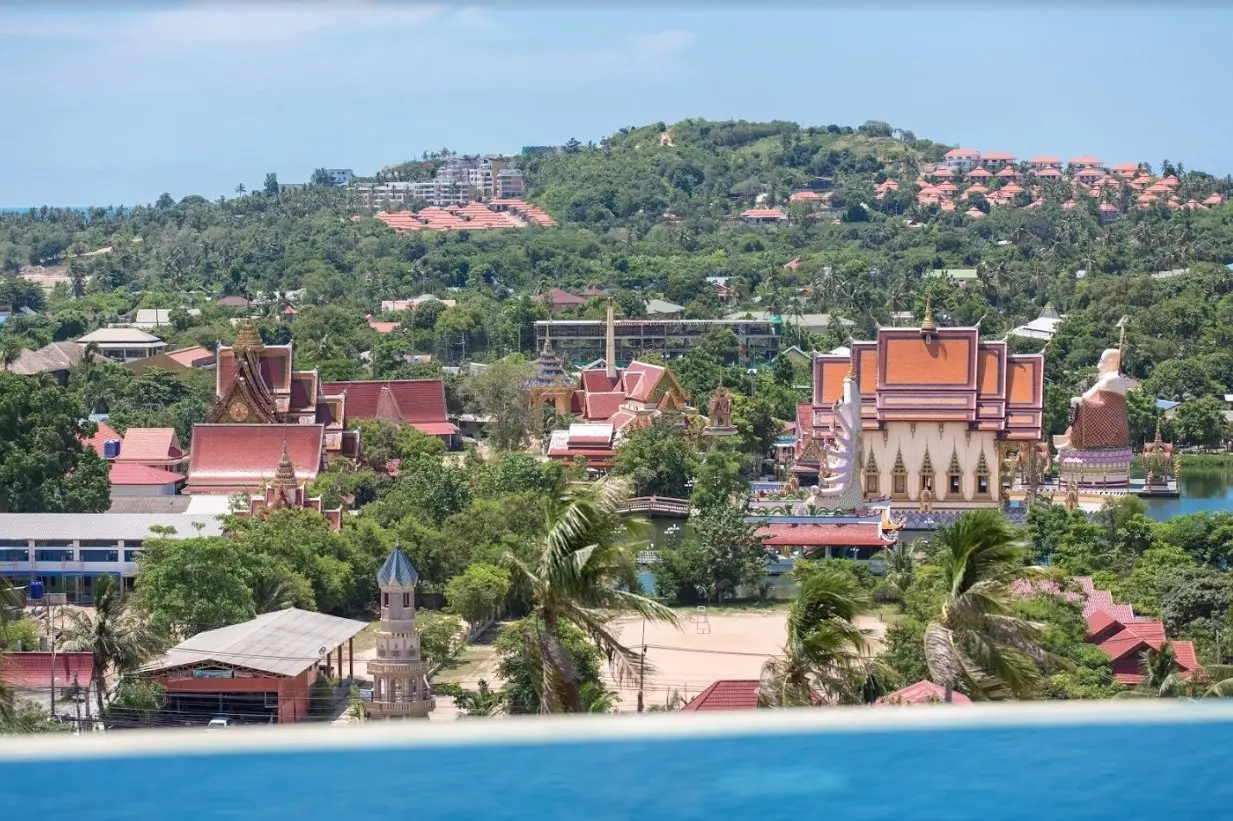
(642, 667)
(51, 640)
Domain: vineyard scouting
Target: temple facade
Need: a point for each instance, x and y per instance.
(939, 411)
(400, 675)
(607, 400)
(286, 491)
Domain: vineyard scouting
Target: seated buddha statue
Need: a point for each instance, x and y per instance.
(1098, 418)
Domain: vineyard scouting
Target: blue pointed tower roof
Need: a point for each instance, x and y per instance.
(397, 570)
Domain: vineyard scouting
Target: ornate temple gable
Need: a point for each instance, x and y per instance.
(828, 373)
(813, 450)
(982, 466)
(247, 401)
(991, 370)
(668, 389)
(899, 466)
(871, 462)
(945, 360)
(926, 465)
(387, 406)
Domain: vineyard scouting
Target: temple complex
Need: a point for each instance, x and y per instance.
(264, 409)
(285, 491)
(937, 410)
(608, 400)
(400, 686)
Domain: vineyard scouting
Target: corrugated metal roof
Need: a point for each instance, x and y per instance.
(285, 642)
(127, 526)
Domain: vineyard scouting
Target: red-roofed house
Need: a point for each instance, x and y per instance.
(812, 197)
(1086, 161)
(961, 159)
(922, 692)
(239, 458)
(559, 299)
(1126, 169)
(993, 159)
(848, 537)
(763, 216)
(132, 479)
(726, 694)
(419, 403)
(153, 447)
(1044, 161)
(979, 174)
(103, 434)
(383, 328)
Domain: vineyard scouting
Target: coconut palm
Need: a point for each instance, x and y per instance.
(119, 636)
(584, 554)
(823, 660)
(976, 640)
(900, 567)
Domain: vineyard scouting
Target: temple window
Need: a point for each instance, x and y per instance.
(406, 599)
(899, 478)
(926, 473)
(982, 477)
(872, 483)
(954, 475)
(385, 599)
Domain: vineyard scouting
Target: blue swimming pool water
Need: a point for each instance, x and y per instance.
(1042, 773)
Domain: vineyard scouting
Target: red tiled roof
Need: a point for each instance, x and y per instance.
(1184, 652)
(601, 405)
(560, 298)
(435, 428)
(104, 432)
(999, 156)
(227, 456)
(922, 692)
(1048, 172)
(33, 670)
(962, 152)
(640, 379)
(383, 327)
(1008, 171)
(131, 473)
(191, 357)
(764, 213)
(725, 694)
(1044, 158)
(150, 445)
(418, 400)
(1085, 160)
(979, 173)
(854, 534)
(800, 196)
(596, 379)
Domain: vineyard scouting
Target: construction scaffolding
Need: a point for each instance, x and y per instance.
(583, 341)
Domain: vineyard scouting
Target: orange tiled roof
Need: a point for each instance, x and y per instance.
(104, 433)
(962, 152)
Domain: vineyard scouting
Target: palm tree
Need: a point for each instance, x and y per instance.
(582, 558)
(900, 567)
(596, 698)
(822, 660)
(240, 189)
(976, 640)
(119, 636)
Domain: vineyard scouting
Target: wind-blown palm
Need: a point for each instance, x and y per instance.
(976, 640)
(581, 561)
(824, 658)
(119, 636)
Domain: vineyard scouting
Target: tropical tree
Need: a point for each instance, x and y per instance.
(977, 641)
(583, 558)
(119, 636)
(823, 660)
(900, 567)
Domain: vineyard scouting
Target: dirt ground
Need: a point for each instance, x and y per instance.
(708, 646)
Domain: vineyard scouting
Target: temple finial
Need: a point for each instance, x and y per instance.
(928, 326)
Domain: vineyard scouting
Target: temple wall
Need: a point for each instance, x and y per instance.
(913, 440)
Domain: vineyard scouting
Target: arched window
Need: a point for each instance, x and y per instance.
(954, 476)
(983, 487)
(872, 489)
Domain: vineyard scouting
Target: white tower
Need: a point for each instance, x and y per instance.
(400, 677)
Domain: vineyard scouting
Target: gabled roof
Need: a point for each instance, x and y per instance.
(191, 357)
(922, 692)
(726, 694)
(103, 433)
(228, 456)
(282, 643)
(130, 474)
(416, 400)
(118, 336)
(150, 445)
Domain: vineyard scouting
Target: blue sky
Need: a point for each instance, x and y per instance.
(117, 103)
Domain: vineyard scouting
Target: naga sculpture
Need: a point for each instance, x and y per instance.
(839, 486)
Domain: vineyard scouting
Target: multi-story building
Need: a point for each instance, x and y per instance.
(340, 176)
(961, 160)
(582, 341)
(68, 551)
(458, 181)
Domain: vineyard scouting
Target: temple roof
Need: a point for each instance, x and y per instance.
(397, 570)
(417, 402)
(227, 457)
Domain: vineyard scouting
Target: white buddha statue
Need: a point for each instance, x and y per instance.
(1099, 416)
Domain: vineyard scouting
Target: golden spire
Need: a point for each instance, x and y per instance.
(1159, 441)
(246, 337)
(284, 476)
(928, 326)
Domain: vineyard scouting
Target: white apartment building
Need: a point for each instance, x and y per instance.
(459, 181)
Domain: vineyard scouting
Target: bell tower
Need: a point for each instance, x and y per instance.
(400, 675)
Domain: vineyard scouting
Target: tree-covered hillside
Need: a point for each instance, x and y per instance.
(652, 212)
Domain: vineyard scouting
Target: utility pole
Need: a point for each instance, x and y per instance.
(642, 667)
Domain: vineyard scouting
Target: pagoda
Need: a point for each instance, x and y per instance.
(286, 491)
(1158, 466)
(550, 383)
(247, 398)
(400, 676)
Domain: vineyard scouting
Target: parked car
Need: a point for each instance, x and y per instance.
(219, 723)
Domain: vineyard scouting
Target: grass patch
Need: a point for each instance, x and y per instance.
(366, 639)
(888, 613)
(1207, 460)
(471, 659)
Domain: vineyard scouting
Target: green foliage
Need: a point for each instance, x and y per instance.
(718, 557)
(520, 664)
(191, 585)
(1201, 423)
(510, 473)
(476, 593)
(44, 467)
(719, 479)
(440, 636)
(498, 394)
(658, 459)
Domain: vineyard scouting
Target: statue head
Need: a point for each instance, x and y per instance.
(1110, 361)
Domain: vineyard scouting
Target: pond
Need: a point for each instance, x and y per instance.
(1203, 489)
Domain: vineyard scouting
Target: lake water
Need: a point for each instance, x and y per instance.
(1203, 489)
